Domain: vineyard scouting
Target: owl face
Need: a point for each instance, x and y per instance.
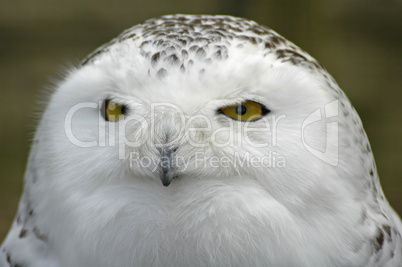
(212, 110)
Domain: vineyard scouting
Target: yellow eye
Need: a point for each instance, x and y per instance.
(246, 111)
(114, 111)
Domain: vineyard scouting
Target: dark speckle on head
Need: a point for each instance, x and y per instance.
(23, 233)
(162, 73)
(173, 59)
(387, 229)
(184, 54)
(379, 240)
(155, 58)
(172, 40)
(194, 48)
(218, 55)
(39, 235)
(201, 53)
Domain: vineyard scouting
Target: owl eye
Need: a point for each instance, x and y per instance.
(113, 111)
(246, 111)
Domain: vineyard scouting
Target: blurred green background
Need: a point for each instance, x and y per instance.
(359, 42)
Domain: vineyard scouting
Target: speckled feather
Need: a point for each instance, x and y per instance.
(356, 227)
(178, 41)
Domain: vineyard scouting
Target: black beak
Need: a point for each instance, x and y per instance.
(166, 175)
(167, 166)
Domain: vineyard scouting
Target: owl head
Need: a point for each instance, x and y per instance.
(192, 132)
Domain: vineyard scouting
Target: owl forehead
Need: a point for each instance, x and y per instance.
(179, 42)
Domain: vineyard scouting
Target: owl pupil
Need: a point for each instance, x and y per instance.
(241, 110)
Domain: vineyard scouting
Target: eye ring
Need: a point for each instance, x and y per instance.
(246, 111)
(113, 111)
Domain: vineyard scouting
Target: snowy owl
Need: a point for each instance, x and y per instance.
(196, 140)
